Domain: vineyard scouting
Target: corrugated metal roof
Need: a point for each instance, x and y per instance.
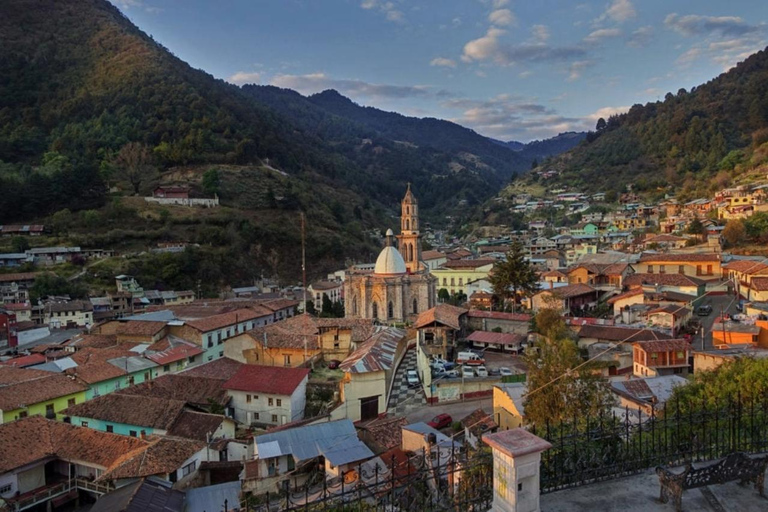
(376, 354)
(212, 497)
(336, 440)
(132, 364)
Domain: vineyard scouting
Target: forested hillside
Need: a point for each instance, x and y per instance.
(692, 142)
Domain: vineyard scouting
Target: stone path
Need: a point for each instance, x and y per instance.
(402, 399)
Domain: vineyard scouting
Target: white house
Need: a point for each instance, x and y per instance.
(267, 395)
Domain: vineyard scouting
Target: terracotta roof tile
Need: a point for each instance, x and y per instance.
(498, 338)
(20, 387)
(662, 279)
(572, 290)
(759, 284)
(183, 386)
(456, 264)
(274, 380)
(431, 255)
(500, 315)
(664, 345)
(195, 425)
(631, 293)
(225, 319)
(614, 333)
(746, 266)
(142, 411)
(159, 457)
(678, 257)
(219, 369)
(443, 314)
(139, 328)
(19, 276)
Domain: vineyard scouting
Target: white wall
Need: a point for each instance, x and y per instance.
(8, 479)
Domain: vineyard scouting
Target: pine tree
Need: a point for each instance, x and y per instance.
(514, 276)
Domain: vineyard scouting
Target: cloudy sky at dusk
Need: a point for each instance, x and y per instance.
(514, 70)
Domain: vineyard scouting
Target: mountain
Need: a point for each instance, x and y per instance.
(691, 143)
(541, 149)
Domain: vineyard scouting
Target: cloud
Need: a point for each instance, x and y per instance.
(135, 4)
(618, 11)
(725, 26)
(540, 33)
(640, 37)
(605, 113)
(604, 33)
(525, 74)
(489, 48)
(317, 82)
(577, 68)
(245, 77)
(497, 4)
(388, 9)
(502, 18)
(443, 62)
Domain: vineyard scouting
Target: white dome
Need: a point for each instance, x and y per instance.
(389, 262)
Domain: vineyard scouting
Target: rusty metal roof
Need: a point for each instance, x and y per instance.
(376, 354)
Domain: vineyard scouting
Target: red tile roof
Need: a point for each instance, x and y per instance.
(139, 328)
(198, 391)
(273, 380)
(664, 345)
(142, 411)
(432, 255)
(160, 456)
(19, 276)
(759, 284)
(442, 314)
(614, 333)
(220, 369)
(663, 280)
(693, 257)
(457, 264)
(746, 266)
(225, 319)
(498, 338)
(24, 361)
(499, 315)
(22, 387)
(177, 353)
(572, 290)
(676, 311)
(625, 295)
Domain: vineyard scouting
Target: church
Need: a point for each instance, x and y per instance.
(400, 285)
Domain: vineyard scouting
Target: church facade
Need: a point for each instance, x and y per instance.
(400, 285)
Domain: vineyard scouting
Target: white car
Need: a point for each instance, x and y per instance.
(505, 372)
(412, 377)
(467, 372)
(481, 371)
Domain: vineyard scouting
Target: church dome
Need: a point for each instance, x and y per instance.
(389, 262)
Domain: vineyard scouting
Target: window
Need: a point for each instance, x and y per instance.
(221, 354)
(8, 487)
(681, 355)
(247, 399)
(650, 269)
(662, 269)
(189, 468)
(70, 402)
(192, 359)
(698, 270)
(270, 402)
(390, 310)
(22, 414)
(133, 433)
(110, 428)
(445, 281)
(210, 358)
(681, 269)
(179, 364)
(654, 355)
(287, 360)
(218, 337)
(210, 340)
(166, 368)
(83, 423)
(709, 270)
(274, 418)
(130, 380)
(453, 281)
(279, 402)
(291, 464)
(375, 309)
(415, 306)
(256, 415)
(461, 281)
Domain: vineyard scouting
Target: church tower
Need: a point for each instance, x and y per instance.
(409, 237)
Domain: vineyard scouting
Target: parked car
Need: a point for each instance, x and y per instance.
(333, 364)
(451, 373)
(505, 372)
(705, 310)
(412, 377)
(469, 358)
(440, 421)
(481, 371)
(467, 372)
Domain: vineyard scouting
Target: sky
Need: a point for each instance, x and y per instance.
(513, 70)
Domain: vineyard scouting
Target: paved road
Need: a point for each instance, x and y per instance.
(457, 410)
(727, 304)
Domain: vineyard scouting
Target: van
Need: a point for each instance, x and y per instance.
(469, 358)
(705, 310)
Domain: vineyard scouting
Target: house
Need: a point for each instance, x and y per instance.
(664, 241)
(455, 275)
(660, 357)
(281, 308)
(476, 424)
(27, 392)
(53, 255)
(135, 497)
(606, 277)
(508, 405)
(439, 328)
(70, 314)
(647, 394)
(758, 289)
(503, 342)
(568, 299)
(515, 323)
(670, 317)
(110, 369)
(630, 298)
(139, 416)
(267, 395)
(728, 334)
(742, 274)
(700, 265)
(433, 259)
(554, 276)
(171, 192)
(133, 331)
(589, 334)
(200, 392)
(9, 337)
(278, 454)
(481, 299)
(422, 439)
(676, 283)
(368, 374)
(16, 230)
(173, 354)
(320, 289)
(13, 259)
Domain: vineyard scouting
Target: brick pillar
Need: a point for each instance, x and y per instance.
(516, 462)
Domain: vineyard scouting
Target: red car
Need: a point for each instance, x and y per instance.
(440, 421)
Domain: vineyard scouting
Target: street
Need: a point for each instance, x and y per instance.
(719, 303)
(457, 410)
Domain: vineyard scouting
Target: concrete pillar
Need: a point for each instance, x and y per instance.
(516, 463)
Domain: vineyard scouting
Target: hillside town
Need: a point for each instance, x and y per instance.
(415, 364)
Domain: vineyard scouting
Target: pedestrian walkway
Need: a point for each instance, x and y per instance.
(403, 399)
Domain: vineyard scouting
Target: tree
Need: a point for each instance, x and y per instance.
(534, 164)
(136, 161)
(561, 386)
(601, 125)
(211, 181)
(735, 232)
(19, 244)
(514, 276)
(611, 196)
(443, 295)
(696, 228)
(309, 307)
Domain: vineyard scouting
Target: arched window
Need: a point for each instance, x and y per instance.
(407, 210)
(415, 306)
(390, 310)
(354, 305)
(375, 311)
(410, 252)
(407, 224)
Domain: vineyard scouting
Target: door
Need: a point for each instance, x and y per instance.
(369, 408)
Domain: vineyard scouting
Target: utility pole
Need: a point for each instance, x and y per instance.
(722, 322)
(304, 282)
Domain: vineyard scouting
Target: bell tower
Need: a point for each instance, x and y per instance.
(409, 238)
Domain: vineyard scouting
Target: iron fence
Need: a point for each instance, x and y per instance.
(448, 479)
(586, 450)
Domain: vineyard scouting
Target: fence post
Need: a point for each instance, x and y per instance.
(516, 469)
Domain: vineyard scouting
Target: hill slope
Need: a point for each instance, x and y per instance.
(716, 130)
